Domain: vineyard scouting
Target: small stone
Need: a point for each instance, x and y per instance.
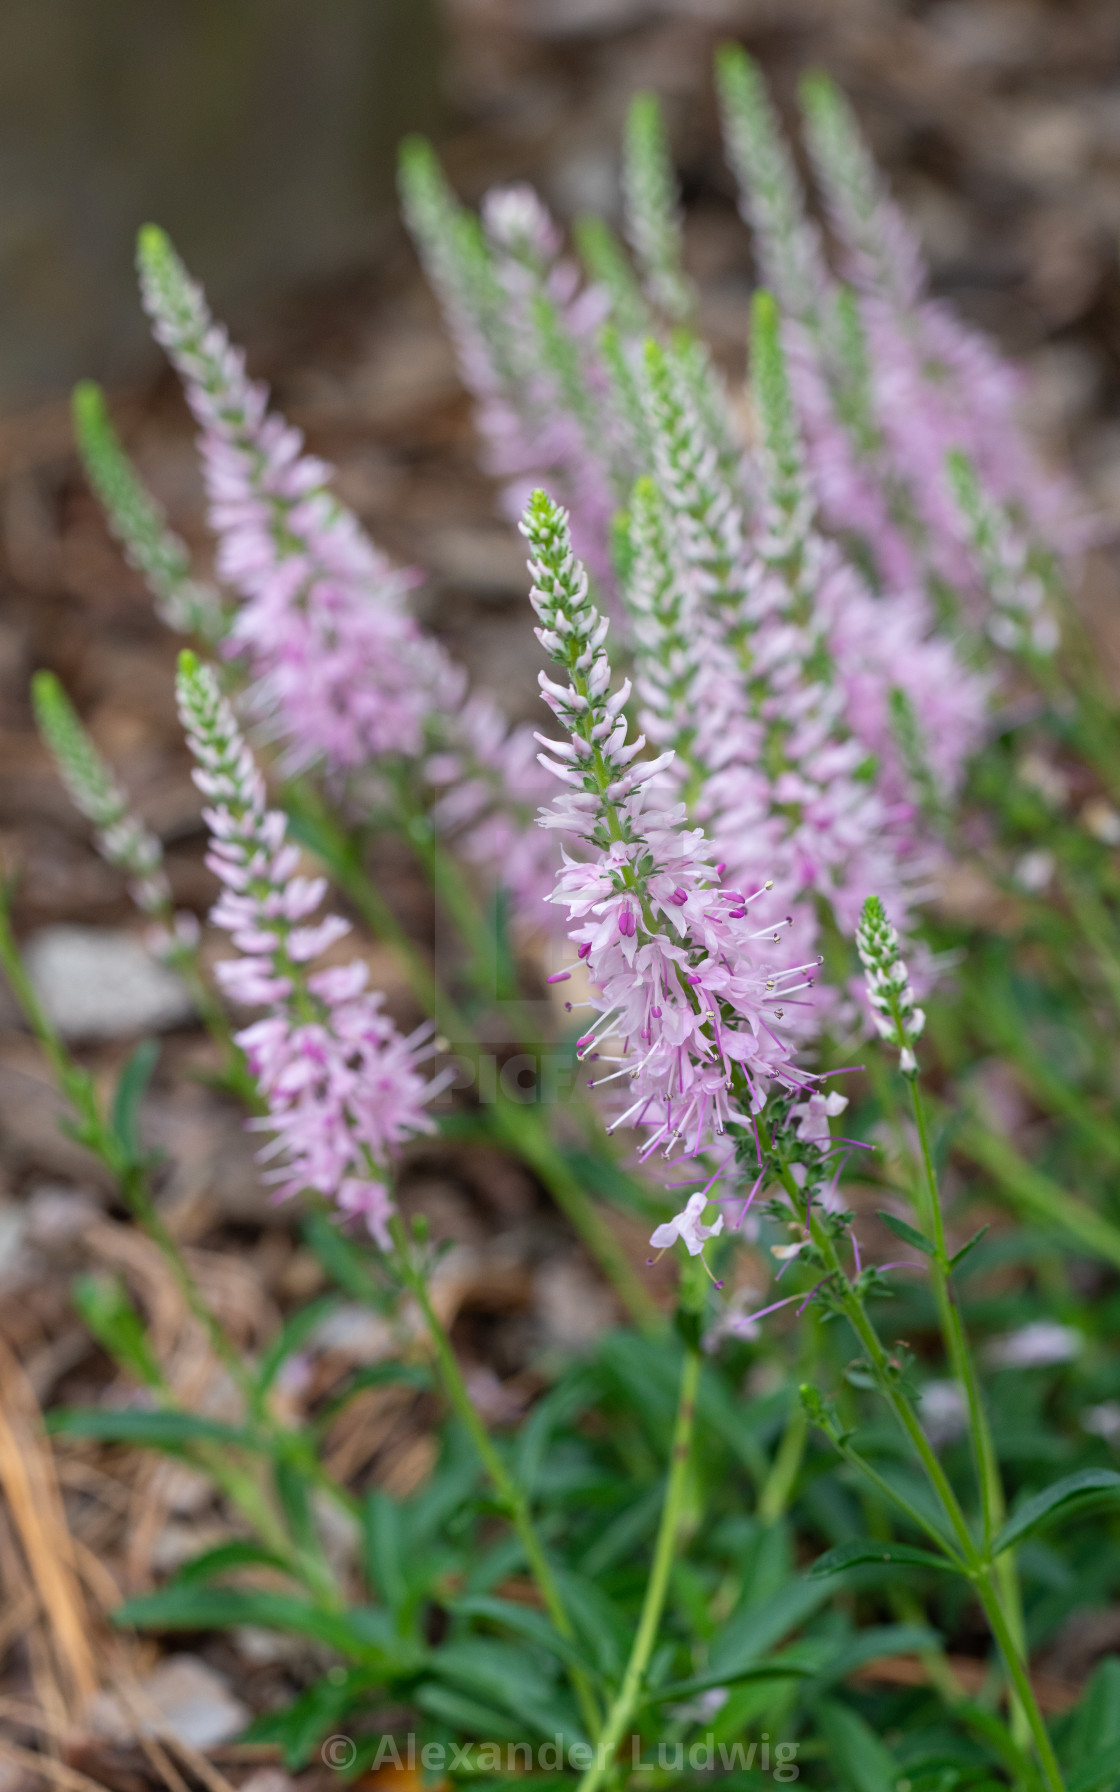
(98, 983)
(194, 1705)
(355, 1333)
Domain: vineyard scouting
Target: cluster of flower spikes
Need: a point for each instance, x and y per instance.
(343, 1087)
(343, 673)
(761, 720)
(682, 979)
(556, 394)
(888, 383)
(880, 650)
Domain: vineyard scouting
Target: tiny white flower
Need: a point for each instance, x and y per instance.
(688, 1226)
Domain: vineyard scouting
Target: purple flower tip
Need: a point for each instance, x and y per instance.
(560, 977)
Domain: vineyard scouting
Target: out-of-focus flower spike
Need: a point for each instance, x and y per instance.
(913, 752)
(713, 405)
(666, 629)
(621, 366)
(184, 603)
(122, 840)
(654, 225)
(561, 357)
(1014, 576)
(606, 263)
(342, 672)
(939, 384)
(771, 197)
(897, 1016)
(788, 502)
(882, 246)
(455, 256)
(687, 470)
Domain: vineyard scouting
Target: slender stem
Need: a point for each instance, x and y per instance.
(510, 1494)
(779, 1483)
(977, 1565)
(657, 1586)
(990, 1482)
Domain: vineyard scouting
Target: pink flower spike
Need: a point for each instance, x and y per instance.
(344, 1091)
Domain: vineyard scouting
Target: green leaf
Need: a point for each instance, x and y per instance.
(867, 1550)
(1100, 1773)
(467, 1716)
(908, 1234)
(1088, 1484)
(384, 1553)
(133, 1082)
(223, 1608)
(172, 1431)
(291, 1337)
(876, 1642)
(507, 1677)
(222, 1558)
(302, 1724)
(341, 1259)
(104, 1304)
(1096, 1722)
(966, 1250)
(855, 1753)
(748, 1635)
(294, 1495)
(801, 1661)
(525, 1622)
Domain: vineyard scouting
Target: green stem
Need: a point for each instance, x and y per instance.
(645, 1637)
(977, 1566)
(512, 1497)
(989, 1480)
(777, 1489)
